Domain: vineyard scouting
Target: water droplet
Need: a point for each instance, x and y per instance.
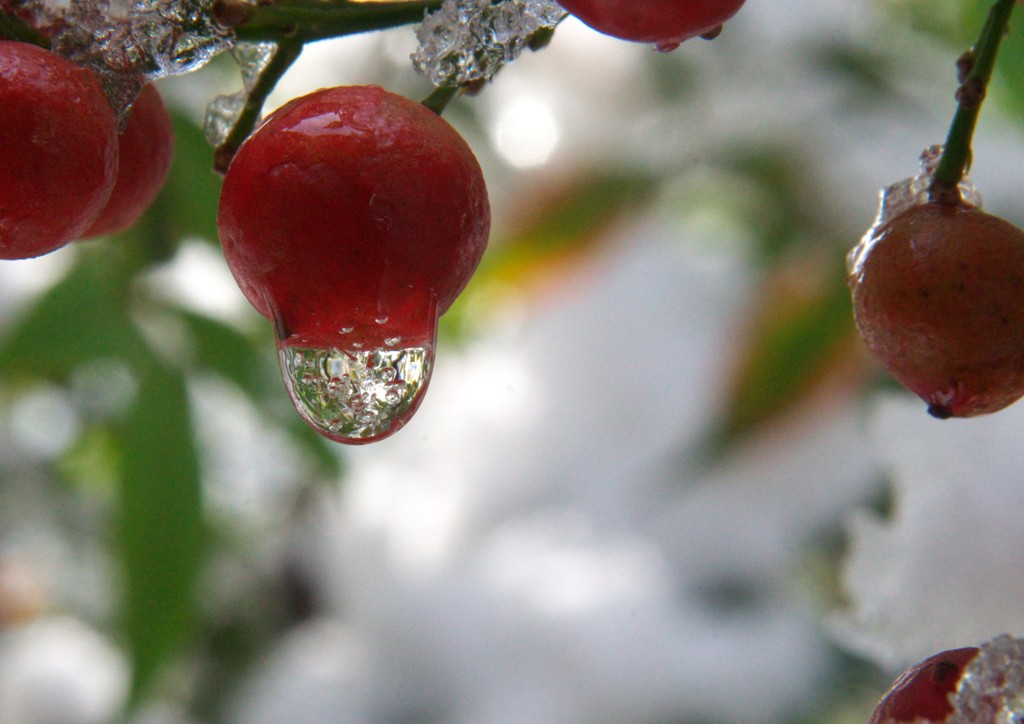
(392, 341)
(381, 320)
(346, 330)
(354, 395)
(667, 47)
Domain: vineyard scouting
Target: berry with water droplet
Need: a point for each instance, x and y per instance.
(665, 23)
(146, 148)
(921, 693)
(938, 295)
(352, 218)
(59, 139)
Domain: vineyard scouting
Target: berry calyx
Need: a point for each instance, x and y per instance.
(666, 23)
(921, 693)
(352, 218)
(146, 149)
(59, 139)
(938, 296)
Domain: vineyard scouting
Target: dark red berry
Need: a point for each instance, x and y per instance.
(59, 159)
(350, 205)
(938, 296)
(663, 22)
(352, 218)
(921, 693)
(146, 149)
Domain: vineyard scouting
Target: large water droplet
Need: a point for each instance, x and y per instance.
(356, 395)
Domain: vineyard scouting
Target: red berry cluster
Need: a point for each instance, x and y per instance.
(67, 172)
(351, 218)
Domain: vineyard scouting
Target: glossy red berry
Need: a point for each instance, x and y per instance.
(352, 218)
(938, 296)
(921, 693)
(59, 159)
(663, 22)
(146, 148)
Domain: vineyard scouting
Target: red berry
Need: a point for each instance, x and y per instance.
(146, 149)
(59, 139)
(938, 296)
(352, 218)
(663, 22)
(921, 693)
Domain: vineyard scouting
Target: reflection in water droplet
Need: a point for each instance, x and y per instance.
(392, 341)
(346, 330)
(356, 396)
(381, 320)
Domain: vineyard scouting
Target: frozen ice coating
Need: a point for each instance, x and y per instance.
(223, 111)
(895, 199)
(357, 395)
(252, 58)
(992, 686)
(469, 40)
(221, 114)
(130, 42)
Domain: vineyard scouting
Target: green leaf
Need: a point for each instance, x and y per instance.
(789, 351)
(83, 317)
(231, 354)
(240, 359)
(160, 526)
(187, 205)
(563, 223)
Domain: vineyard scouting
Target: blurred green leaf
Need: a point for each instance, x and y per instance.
(795, 341)
(1009, 71)
(160, 525)
(243, 361)
(187, 205)
(84, 317)
(226, 351)
(556, 225)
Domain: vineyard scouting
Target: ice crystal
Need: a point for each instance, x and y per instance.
(223, 111)
(130, 42)
(991, 688)
(902, 195)
(470, 40)
(899, 197)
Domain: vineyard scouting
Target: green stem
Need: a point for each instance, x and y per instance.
(309, 20)
(956, 155)
(439, 98)
(14, 28)
(286, 54)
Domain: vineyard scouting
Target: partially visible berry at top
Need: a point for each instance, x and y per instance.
(664, 23)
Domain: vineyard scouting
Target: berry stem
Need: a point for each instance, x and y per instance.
(439, 98)
(978, 64)
(286, 54)
(309, 20)
(14, 28)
